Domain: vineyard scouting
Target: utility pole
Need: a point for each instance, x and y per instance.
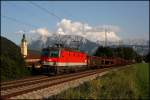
(105, 37)
(83, 28)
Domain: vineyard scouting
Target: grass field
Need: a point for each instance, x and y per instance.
(129, 83)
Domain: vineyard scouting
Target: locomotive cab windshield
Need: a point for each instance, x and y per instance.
(50, 53)
(54, 53)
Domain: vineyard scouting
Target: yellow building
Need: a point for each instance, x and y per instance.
(23, 46)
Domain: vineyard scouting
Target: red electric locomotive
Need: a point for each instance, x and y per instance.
(59, 60)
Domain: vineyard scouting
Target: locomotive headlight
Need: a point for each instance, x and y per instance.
(49, 59)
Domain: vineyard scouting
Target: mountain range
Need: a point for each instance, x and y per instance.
(84, 44)
(67, 40)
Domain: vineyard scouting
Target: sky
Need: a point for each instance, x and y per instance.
(130, 17)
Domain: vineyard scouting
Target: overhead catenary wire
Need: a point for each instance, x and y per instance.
(49, 12)
(18, 21)
(45, 10)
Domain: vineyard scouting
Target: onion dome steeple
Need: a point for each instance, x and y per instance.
(24, 38)
(23, 46)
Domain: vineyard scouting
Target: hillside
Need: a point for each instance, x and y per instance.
(131, 83)
(12, 63)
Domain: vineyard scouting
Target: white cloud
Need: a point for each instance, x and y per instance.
(41, 33)
(21, 32)
(67, 27)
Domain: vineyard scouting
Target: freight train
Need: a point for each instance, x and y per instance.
(58, 60)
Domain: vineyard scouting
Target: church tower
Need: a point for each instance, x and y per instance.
(23, 46)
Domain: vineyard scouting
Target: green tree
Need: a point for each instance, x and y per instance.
(12, 62)
(122, 52)
(104, 51)
(147, 58)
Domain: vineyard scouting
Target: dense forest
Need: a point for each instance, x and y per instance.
(123, 52)
(12, 62)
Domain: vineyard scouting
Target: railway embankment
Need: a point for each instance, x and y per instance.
(130, 83)
(45, 87)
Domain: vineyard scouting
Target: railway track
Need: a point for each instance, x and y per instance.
(22, 80)
(15, 88)
(31, 81)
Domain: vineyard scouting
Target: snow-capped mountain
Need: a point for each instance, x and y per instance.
(136, 42)
(68, 41)
(139, 45)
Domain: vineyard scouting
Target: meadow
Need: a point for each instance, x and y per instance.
(129, 83)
